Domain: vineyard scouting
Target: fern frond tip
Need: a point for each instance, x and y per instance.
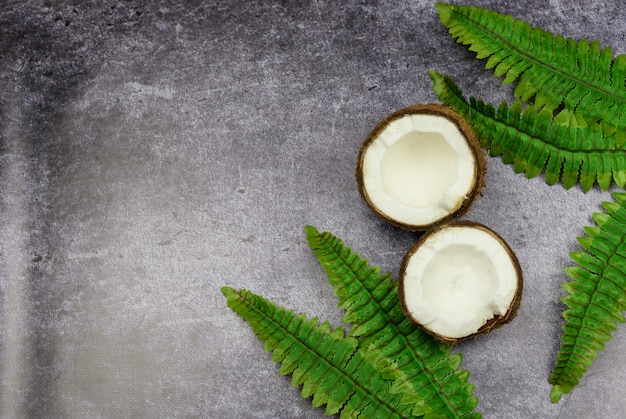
(444, 10)
(557, 392)
(228, 292)
(437, 79)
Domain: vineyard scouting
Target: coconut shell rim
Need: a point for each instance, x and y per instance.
(468, 134)
(491, 324)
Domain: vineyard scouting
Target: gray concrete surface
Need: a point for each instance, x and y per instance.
(154, 151)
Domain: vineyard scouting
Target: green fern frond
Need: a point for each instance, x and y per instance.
(328, 365)
(569, 148)
(556, 71)
(423, 369)
(597, 296)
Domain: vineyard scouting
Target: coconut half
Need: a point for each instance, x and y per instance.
(421, 166)
(460, 280)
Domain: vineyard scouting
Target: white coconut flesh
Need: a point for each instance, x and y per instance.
(459, 278)
(419, 169)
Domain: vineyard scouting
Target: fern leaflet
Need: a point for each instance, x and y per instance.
(555, 71)
(568, 147)
(423, 369)
(327, 365)
(597, 296)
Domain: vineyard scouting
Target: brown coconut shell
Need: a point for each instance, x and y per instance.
(468, 134)
(491, 324)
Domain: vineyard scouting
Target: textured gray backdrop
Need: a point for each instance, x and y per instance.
(154, 151)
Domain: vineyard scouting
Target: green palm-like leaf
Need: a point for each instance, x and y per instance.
(597, 296)
(554, 70)
(568, 147)
(386, 367)
(327, 365)
(423, 369)
(583, 143)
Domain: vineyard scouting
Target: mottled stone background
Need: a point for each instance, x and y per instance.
(154, 151)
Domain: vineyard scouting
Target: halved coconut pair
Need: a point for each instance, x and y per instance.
(420, 168)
